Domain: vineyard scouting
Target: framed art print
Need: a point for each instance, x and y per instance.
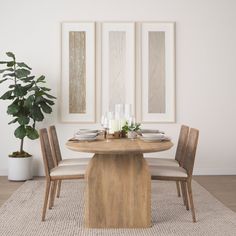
(78, 72)
(157, 72)
(118, 65)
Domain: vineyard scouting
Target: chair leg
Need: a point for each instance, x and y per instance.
(178, 188)
(190, 194)
(52, 192)
(183, 193)
(47, 190)
(186, 196)
(58, 188)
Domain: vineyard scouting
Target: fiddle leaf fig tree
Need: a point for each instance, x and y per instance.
(29, 98)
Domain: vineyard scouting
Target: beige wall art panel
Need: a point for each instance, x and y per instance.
(117, 64)
(77, 72)
(156, 73)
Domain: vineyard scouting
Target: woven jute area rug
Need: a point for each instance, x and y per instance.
(21, 214)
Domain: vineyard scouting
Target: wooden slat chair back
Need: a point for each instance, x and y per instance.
(190, 152)
(46, 151)
(55, 144)
(182, 174)
(53, 172)
(181, 147)
(57, 157)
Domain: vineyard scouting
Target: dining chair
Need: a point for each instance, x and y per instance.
(57, 157)
(55, 173)
(183, 173)
(179, 155)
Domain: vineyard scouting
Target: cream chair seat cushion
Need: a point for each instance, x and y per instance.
(162, 161)
(68, 170)
(167, 171)
(74, 161)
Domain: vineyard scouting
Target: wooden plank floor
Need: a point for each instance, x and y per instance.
(222, 187)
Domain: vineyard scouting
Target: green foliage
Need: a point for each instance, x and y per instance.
(29, 99)
(132, 127)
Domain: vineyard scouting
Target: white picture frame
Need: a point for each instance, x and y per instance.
(78, 72)
(118, 64)
(157, 52)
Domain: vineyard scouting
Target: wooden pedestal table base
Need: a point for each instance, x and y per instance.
(118, 193)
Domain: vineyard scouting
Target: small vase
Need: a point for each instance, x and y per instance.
(132, 134)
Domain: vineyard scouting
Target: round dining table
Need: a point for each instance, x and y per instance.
(118, 182)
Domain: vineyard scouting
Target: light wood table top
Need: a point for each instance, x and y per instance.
(118, 146)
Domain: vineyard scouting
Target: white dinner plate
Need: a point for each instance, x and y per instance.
(155, 139)
(84, 131)
(86, 135)
(150, 131)
(86, 139)
(153, 136)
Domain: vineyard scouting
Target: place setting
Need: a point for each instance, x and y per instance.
(87, 135)
(154, 137)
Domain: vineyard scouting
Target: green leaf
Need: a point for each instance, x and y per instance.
(10, 54)
(6, 95)
(3, 80)
(31, 133)
(9, 74)
(28, 86)
(13, 121)
(23, 120)
(22, 64)
(36, 113)
(20, 73)
(4, 62)
(39, 93)
(10, 63)
(28, 79)
(19, 91)
(29, 101)
(50, 102)
(13, 109)
(34, 88)
(40, 79)
(20, 132)
(8, 69)
(49, 96)
(45, 89)
(39, 99)
(45, 107)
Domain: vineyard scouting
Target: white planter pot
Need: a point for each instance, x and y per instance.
(20, 168)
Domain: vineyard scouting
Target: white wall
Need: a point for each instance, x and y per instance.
(205, 66)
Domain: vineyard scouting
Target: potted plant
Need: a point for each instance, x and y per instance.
(29, 101)
(131, 129)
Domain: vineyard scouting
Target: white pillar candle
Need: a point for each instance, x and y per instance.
(114, 126)
(127, 111)
(122, 123)
(119, 111)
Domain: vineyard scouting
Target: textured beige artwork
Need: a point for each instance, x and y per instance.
(77, 72)
(117, 64)
(156, 73)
